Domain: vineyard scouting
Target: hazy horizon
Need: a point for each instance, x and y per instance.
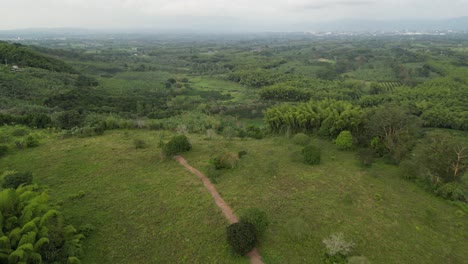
(208, 15)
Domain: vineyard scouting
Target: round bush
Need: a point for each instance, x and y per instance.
(311, 155)
(301, 139)
(256, 217)
(344, 140)
(176, 145)
(242, 237)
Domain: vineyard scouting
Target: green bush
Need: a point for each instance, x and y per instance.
(241, 237)
(344, 141)
(256, 217)
(213, 174)
(241, 153)
(311, 155)
(301, 139)
(176, 145)
(225, 161)
(31, 142)
(139, 143)
(3, 150)
(451, 191)
(14, 180)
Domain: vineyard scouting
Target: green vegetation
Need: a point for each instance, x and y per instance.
(90, 117)
(242, 237)
(176, 145)
(257, 218)
(344, 140)
(33, 230)
(311, 155)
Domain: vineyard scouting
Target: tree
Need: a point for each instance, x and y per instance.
(445, 157)
(394, 128)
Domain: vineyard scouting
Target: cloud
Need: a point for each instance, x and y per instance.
(180, 13)
(332, 4)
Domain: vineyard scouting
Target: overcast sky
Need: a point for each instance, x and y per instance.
(258, 14)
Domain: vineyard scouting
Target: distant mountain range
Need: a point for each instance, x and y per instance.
(231, 25)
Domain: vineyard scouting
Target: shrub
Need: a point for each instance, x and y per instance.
(256, 217)
(3, 150)
(31, 142)
(229, 132)
(409, 169)
(14, 180)
(225, 161)
(311, 155)
(139, 143)
(344, 141)
(365, 156)
(176, 145)
(241, 237)
(451, 191)
(213, 174)
(241, 153)
(301, 139)
(337, 245)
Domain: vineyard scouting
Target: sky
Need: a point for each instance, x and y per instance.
(191, 14)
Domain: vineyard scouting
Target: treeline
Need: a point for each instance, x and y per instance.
(327, 117)
(440, 102)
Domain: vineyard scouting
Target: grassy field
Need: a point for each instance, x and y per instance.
(147, 210)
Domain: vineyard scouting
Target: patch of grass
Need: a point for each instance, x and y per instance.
(148, 210)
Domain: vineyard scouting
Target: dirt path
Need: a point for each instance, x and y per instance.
(254, 256)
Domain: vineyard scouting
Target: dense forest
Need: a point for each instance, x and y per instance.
(384, 105)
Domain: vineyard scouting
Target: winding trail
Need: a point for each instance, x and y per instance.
(254, 256)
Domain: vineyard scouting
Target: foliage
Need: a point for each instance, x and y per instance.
(241, 237)
(443, 156)
(139, 143)
(329, 117)
(282, 93)
(176, 145)
(34, 232)
(15, 179)
(337, 245)
(257, 218)
(241, 153)
(23, 56)
(451, 191)
(301, 139)
(409, 169)
(344, 140)
(3, 150)
(394, 128)
(311, 155)
(225, 161)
